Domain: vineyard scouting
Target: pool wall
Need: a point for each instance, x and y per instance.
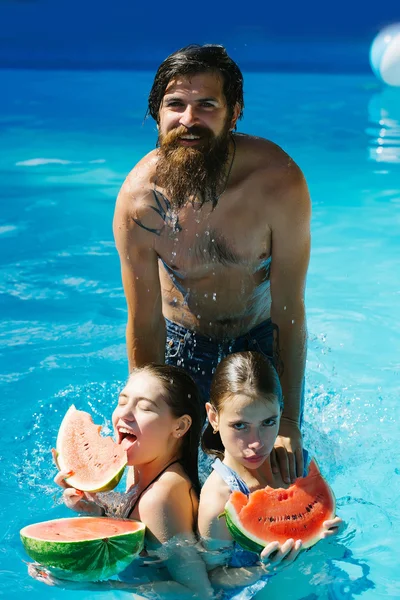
(305, 36)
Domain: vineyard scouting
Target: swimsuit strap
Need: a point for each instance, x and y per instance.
(151, 482)
(231, 478)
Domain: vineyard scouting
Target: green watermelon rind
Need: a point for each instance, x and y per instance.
(254, 544)
(73, 481)
(85, 560)
(245, 540)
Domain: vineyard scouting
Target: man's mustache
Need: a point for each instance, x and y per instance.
(173, 135)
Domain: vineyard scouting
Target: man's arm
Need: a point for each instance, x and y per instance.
(290, 258)
(145, 332)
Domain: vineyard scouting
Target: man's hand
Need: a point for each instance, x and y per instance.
(287, 455)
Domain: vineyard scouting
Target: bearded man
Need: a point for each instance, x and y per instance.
(213, 233)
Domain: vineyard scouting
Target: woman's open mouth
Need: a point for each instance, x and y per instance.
(126, 437)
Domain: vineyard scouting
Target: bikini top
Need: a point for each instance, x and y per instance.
(231, 478)
(121, 505)
(239, 557)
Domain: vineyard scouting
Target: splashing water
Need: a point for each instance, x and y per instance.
(64, 311)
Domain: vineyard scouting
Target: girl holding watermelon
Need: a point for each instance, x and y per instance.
(244, 414)
(158, 422)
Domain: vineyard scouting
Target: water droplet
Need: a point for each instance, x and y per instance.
(215, 296)
(284, 308)
(174, 254)
(205, 295)
(199, 316)
(292, 321)
(207, 232)
(213, 240)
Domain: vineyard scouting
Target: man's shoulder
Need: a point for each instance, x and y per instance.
(139, 181)
(272, 171)
(136, 196)
(139, 209)
(265, 159)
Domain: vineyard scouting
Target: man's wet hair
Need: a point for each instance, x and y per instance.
(192, 60)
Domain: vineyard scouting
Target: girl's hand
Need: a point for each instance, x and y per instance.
(40, 573)
(62, 476)
(331, 527)
(76, 499)
(276, 557)
(82, 502)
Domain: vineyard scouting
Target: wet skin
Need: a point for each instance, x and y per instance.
(221, 287)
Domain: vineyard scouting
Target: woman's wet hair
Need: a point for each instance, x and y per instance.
(192, 60)
(183, 398)
(248, 373)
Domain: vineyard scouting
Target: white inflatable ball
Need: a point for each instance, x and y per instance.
(384, 55)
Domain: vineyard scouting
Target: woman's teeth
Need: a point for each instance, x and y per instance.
(127, 431)
(126, 434)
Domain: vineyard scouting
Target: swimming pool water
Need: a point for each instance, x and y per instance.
(67, 141)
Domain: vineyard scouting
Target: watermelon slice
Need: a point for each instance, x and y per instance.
(270, 515)
(84, 548)
(97, 463)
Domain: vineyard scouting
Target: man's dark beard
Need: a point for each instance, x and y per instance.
(193, 173)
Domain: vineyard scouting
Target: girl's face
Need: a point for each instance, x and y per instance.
(248, 428)
(143, 422)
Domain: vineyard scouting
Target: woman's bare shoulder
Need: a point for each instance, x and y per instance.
(169, 497)
(214, 494)
(213, 498)
(168, 508)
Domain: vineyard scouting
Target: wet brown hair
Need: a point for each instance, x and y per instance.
(192, 60)
(183, 398)
(249, 373)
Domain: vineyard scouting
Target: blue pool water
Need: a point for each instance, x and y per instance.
(67, 141)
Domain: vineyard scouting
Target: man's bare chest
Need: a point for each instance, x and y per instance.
(195, 250)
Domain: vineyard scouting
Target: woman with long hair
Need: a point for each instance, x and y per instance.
(244, 413)
(158, 421)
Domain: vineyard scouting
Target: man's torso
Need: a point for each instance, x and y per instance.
(214, 264)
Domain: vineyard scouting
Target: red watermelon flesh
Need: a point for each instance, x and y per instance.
(97, 463)
(270, 515)
(82, 528)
